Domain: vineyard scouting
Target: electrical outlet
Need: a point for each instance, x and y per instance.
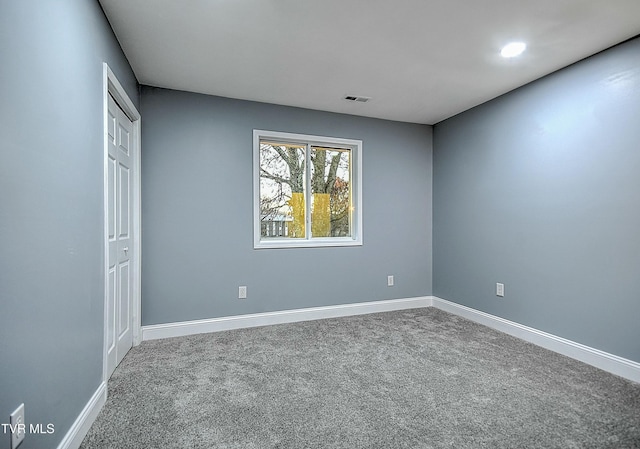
(17, 426)
(242, 292)
(500, 289)
(389, 281)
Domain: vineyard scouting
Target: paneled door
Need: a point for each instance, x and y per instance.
(119, 234)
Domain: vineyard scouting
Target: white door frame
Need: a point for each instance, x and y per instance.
(112, 86)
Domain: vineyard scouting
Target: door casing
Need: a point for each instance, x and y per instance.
(111, 86)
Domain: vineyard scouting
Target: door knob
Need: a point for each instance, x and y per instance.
(125, 249)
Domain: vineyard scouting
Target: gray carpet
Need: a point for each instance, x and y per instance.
(418, 378)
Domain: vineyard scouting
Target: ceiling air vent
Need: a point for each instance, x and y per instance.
(356, 98)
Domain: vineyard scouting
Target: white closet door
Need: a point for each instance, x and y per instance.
(120, 279)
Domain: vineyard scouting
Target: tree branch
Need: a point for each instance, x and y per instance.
(266, 174)
(331, 177)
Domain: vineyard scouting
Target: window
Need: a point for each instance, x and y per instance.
(307, 190)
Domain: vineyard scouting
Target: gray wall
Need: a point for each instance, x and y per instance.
(540, 189)
(537, 189)
(51, 161)
(197, 209)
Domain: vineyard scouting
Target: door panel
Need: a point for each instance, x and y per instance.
(124, 137)
(124, 317)
(111, 307)
(124, 206)
(111, 218)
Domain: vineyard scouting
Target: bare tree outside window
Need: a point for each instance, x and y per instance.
(331, 200)
(282, 187)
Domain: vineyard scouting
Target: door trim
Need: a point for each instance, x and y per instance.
(111, 86)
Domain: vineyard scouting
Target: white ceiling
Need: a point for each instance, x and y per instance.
(419, 60)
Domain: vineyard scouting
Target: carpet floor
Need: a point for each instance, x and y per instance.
(420, 378)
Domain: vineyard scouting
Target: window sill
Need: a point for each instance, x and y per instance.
(303, 243)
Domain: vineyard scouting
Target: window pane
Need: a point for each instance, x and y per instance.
(282, 190)
(331, 192)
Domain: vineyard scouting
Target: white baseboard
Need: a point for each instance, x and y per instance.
(184, 328)
(600, 359)
(81, 426)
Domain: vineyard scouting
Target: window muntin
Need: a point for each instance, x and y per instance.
(307, 190)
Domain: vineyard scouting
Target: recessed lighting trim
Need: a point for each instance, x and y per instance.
(513, 49)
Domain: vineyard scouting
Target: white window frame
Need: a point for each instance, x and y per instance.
(356, 191)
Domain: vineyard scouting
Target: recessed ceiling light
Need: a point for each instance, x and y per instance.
(513, 49)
